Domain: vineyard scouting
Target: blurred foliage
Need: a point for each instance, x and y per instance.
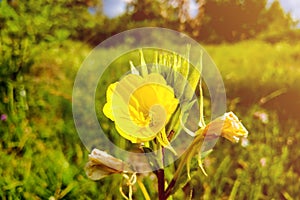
(236, 20)
(233, 20)
(25, 26)
(27, 29)
(217, 20)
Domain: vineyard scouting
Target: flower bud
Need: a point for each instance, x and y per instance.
(228, 126)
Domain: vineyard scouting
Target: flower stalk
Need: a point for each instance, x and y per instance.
(160, 173)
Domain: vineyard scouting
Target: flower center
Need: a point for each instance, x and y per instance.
(147, 108)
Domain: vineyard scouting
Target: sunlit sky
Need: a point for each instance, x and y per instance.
(114, 8)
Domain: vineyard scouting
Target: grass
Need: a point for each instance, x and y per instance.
(42, 156)
(260, 73)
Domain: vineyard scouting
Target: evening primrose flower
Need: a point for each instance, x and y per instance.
(141, 107)
(228, 125)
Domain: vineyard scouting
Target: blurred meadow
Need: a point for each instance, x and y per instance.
(255, 45)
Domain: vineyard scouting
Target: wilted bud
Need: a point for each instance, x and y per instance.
(262, 116)
(101, 164)
(228, 126)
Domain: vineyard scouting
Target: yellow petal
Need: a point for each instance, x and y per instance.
(107, 109)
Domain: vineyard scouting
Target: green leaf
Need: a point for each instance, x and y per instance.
(201, 156)
(184, 115)
(133, 69)
(201, 106)
(143, 64)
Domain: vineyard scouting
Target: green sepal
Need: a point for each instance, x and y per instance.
(163, 140)
(143, 64)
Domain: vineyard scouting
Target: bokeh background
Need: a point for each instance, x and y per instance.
(254, 43)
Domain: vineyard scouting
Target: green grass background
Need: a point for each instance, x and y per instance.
(42, 156)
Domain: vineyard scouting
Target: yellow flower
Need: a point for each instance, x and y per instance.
(228, 126)
(141, 107)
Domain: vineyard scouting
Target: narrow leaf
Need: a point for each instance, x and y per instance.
(143, 64)
(133, 69)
